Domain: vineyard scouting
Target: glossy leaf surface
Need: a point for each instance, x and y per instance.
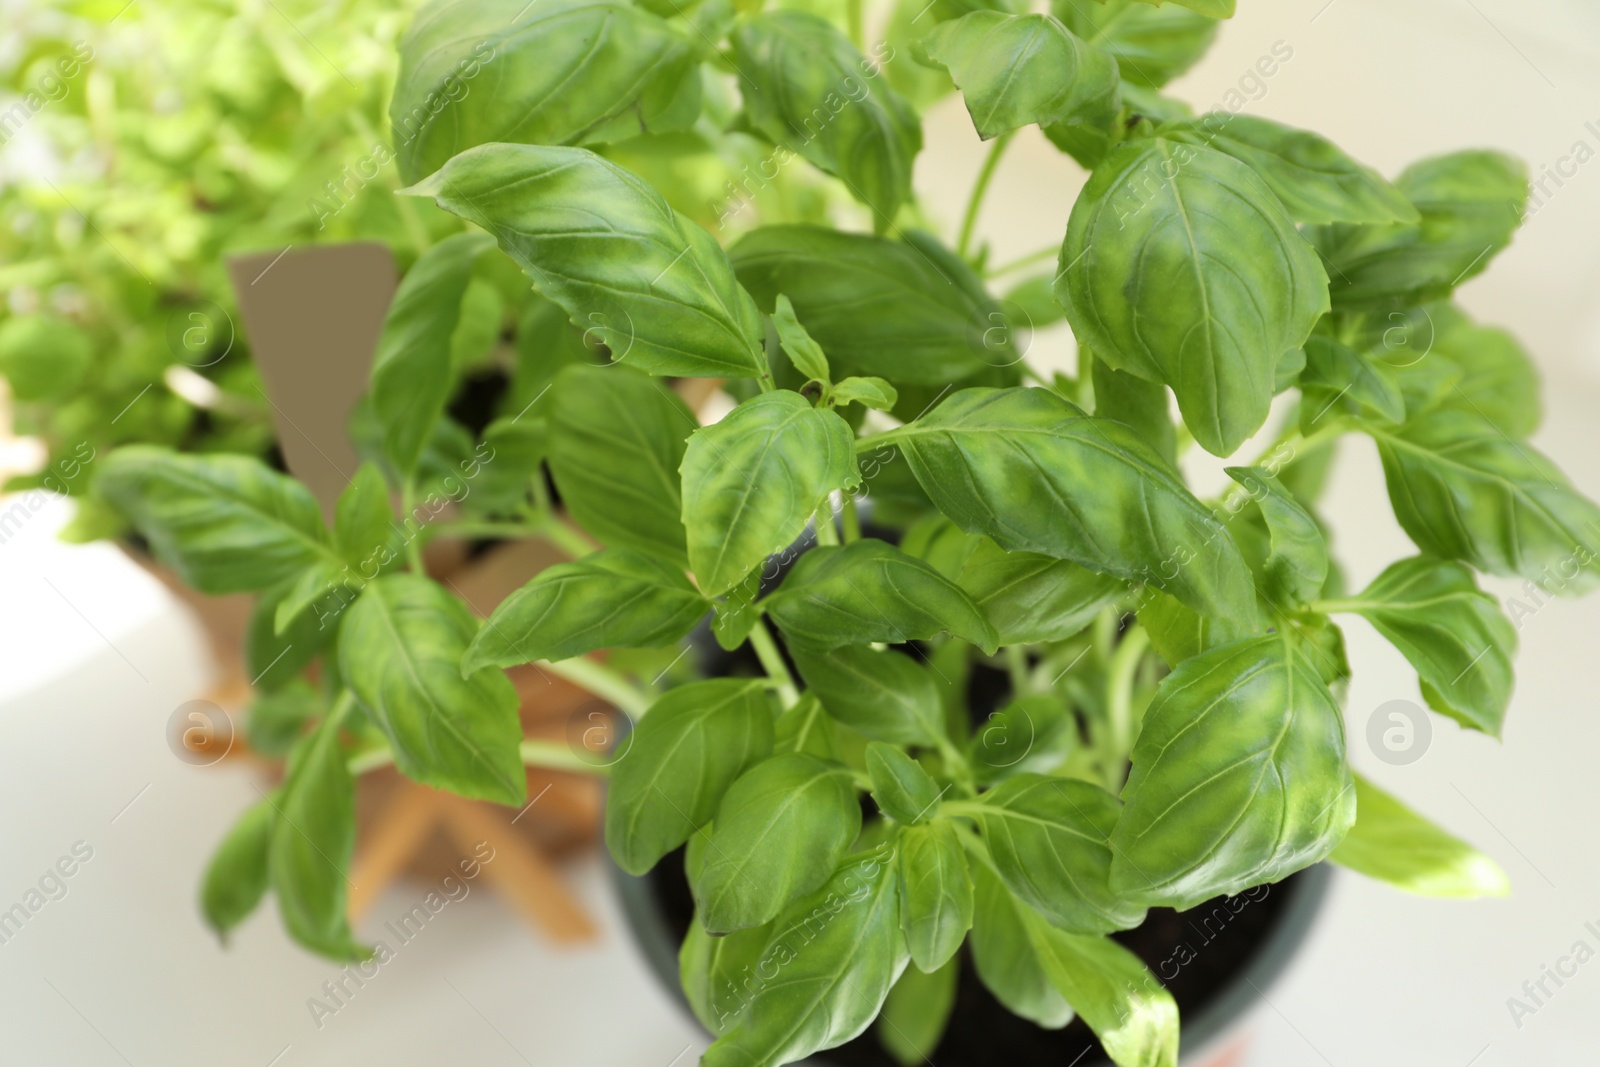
(936, 900)
(1181, 266)
(694, 743)
(1394, 844)
(877, 306)
(870, 591)
(1050, 841)
(806, 87)
(1453, 633)
(1462, 490)
(887, 696)
(559, 72)
(411, 371)
(1315, 179)
(616, 443)
(609, 599)
(1470, 203)
(780, 829)
(753, 480)
(226, 524)
(1030, 597)
(1239, 777)
(601, 242)
(312, 838)
(835, 972)
(1020, 70)
(400, 651)
(1034, 473)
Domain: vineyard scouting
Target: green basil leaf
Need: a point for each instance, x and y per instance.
(1453, 633)
(1176, 633)
(562, 72)
(518, 445)
(737, 614)
(780, 830)
(1152, 45)
(1032, 734)
(1394, 844)
(1036, 299)
(312, 838)
(236, 878)
(651, 284)
(1181, 266)
(43, 357)
(326, 589)
(876, 306)
(1290, 366)
(1239, 777)
(1298, 566)
(616, 442)
(1021, 70)
(1427, 384)
(1034, 473)
(1323, 645)
(1498, 382)
(939, 543)
(695, 741)
(887, 696)
(609, 599)
(806, 354)
(807, 728)
(1138, 403)
(936, 901)
(1338, 381)
(1470, 203)
(870, 591)
(917, 1011)
(805, 86)
(277, 719)
(364, 531)
(1003, 953)
(1462, 490)
(1050, 839)
(752, 481)
(478, 334)
(900, 787)
(1030, 597)
(869, 392)
(226, 524)
(839, 952)
(714, 972)
(1315, 179)
(273, 658)
(1131, 1013)
(411, 371)
(400, 652)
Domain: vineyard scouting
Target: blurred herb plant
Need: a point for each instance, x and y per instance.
(143, 145)
(1168, 670)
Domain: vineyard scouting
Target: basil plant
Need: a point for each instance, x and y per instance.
(998, 676)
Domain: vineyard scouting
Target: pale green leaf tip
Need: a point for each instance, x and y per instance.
(428, 186)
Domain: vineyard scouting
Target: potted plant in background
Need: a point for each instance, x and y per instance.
(1164, 673)
(143, 149)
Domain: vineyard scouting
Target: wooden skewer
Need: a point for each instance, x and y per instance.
(521, 873)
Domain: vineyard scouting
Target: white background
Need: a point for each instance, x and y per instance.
(94, 657)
